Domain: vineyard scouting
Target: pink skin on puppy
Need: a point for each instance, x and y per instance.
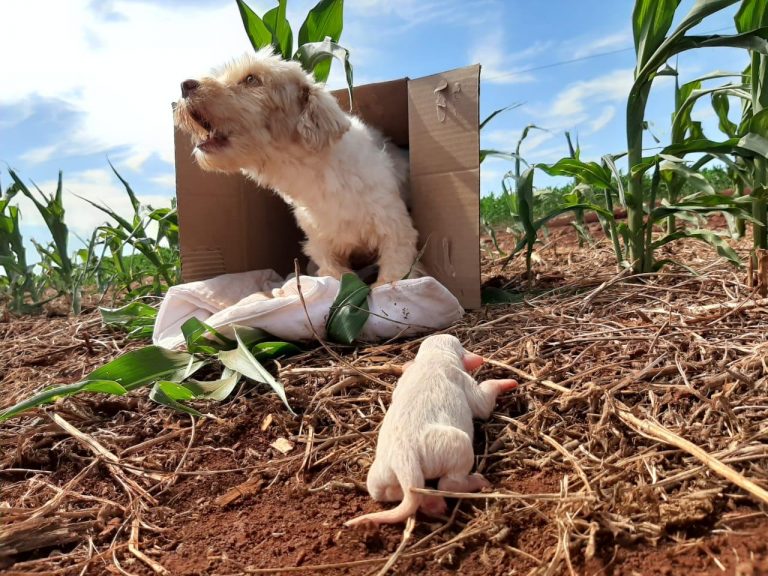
(427, 431)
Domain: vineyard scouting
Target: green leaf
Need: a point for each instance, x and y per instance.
(195, 335)
(257, 32)
(752, 14)
(140, 367)
(711, 238)
(163, 392)
(610, 161)
(216, 389)
(495, 113)
(277, 24)
(499, 154)
(175, 390)
(651, 20)
(758, 125)
(747, 146)
(755, 143)
(50, 395)
(271, 350)
(693, 177)
(325, 20)
(137, 318)
(241, 360)
(590, 173)
(721, 104)
(349, 311)
(312, 54)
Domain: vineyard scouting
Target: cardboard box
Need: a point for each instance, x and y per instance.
(227, 224)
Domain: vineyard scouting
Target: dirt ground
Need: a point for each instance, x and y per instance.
(589, 463)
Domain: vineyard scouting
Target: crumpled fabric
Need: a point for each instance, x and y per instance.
(263, 299)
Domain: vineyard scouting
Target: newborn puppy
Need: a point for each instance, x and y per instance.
(427, 431)
(267, 118)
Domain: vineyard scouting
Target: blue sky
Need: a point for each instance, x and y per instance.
(87, 80)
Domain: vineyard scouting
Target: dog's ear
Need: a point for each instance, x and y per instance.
(321, 121)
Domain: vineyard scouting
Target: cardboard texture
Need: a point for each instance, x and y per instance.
(229, 224)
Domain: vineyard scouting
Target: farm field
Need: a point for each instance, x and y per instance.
(630, 301)
(585, 460)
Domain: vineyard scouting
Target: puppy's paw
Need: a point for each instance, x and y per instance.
(434, 506)
(477, 482)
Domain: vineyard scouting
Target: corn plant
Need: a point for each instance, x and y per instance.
(654, 46)
(55, 258)
(752, 18)
(21, 287)
(317, 41)
(152, 256)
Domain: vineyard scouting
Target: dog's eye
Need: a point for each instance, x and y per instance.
(251, 80)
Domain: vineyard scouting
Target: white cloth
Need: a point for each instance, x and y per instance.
(262, 299)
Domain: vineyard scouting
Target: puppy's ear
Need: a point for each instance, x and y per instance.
(472, 361)
(321, 121)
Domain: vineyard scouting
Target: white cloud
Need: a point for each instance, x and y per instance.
(120, 71)
(100, 186)
(165, 180)
(40, 154)
(499, 65)
(507, 139)
(575, 99)
(597, 124)
(615, 41)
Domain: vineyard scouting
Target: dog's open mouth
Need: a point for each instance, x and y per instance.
(213, 139)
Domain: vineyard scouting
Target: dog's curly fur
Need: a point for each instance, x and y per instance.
(266, 117)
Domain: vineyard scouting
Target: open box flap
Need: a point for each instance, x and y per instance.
(443, 118)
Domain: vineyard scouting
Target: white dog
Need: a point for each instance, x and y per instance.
(427, 431)
(266, 117)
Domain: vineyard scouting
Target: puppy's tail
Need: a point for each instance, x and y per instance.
(409, 475)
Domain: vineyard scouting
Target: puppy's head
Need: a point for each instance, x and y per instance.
(447, 345)
(253, 106)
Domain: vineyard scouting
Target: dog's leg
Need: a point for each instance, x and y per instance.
(397, 249)
(327, 265)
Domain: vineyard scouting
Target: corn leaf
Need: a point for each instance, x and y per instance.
(241, 360)
(216, 389)
(676, 167)
(325, 20)
(590, 173)
(721, 104)
(349, 312)
(752, 14)
(499, 154)
(196, 335)
(495, 113)
(257, 32)
(277, 24)
(651, 20)
(169, 394)
(312, 54)
(609, 160)
(50, 395)
(271, 350)
(149, 364)
(136, 318)
(707, 236)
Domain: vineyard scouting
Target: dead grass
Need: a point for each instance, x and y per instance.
(641, 425)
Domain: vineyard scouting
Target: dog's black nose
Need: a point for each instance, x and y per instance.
(188, 86)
